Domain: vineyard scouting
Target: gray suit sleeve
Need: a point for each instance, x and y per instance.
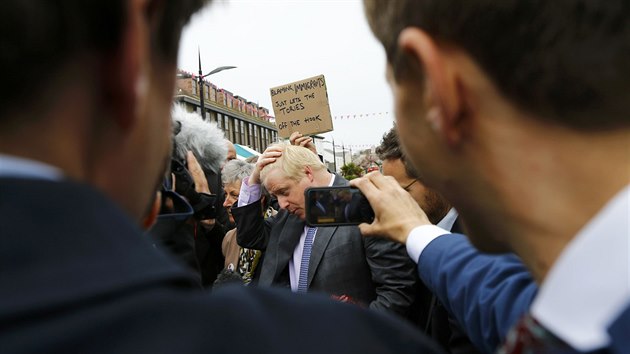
(394, 275)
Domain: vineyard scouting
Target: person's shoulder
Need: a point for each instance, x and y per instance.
(244, 320)
(228, 240)
(230, 235)
(339, 180)
(236, 319)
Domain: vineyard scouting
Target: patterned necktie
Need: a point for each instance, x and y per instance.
(306, 256)
(529, 337)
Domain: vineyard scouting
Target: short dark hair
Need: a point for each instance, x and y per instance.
(565, 61)
(390, 150)
(39, 37)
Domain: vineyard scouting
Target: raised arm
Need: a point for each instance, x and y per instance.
(252, 229)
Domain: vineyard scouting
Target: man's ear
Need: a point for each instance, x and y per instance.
(446, 106)
(308, 171)
(150, 219)
(126, 71)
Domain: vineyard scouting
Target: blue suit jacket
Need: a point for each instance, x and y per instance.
(487, 294)
(78, 276)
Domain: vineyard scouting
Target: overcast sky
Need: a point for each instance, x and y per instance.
(275, 42)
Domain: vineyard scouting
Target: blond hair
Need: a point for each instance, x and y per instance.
(292, 162)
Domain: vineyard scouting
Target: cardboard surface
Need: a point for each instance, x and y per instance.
(302, 106)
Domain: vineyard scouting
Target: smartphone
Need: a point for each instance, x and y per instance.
(336, 206)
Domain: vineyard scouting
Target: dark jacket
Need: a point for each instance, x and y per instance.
(77, 275)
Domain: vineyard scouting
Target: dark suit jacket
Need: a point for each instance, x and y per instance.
(208, 242)
(208, 250)
(370, 270)
(77, 275)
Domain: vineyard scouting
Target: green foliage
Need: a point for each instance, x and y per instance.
(351, 171)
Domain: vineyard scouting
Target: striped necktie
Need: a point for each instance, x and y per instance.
(306, 256)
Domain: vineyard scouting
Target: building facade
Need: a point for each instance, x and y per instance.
(243, 122)
(335, 158)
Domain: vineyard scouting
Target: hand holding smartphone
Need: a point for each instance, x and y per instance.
(336, 206)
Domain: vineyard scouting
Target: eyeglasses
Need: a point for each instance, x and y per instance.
(407, 188)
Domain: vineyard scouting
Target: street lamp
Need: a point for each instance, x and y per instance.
(200, 82)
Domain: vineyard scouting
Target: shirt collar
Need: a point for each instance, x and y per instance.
(589, 284)
(447, 221)
(17, 167)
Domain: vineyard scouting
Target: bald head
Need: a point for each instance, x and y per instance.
(231, 153)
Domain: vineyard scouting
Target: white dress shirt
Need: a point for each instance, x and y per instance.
(448, 220)
(589, 284)
(17, 167)
(421, 236)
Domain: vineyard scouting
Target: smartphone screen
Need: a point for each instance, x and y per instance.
(336, 206)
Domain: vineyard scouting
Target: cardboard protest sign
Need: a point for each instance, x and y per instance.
(302, 106)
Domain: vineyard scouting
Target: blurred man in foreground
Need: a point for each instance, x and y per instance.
(500, 104)
(79, 167)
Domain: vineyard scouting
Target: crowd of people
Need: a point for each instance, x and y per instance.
(501, 213)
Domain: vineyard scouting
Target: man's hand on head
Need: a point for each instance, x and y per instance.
(270, 155)
(298, 139)
(396, 212)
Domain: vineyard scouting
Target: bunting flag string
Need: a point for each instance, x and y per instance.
(357, 146)
(361, 115)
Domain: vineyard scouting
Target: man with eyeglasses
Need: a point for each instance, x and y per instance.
(432, 317)
(435, 206)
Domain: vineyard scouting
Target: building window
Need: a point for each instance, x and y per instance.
(220, 120)
(194, 86)
(266, 142)
(256, 141)
(232, 123)
(240, 135)
(250, 136)
(237, 132)
(205, 92)
(226, 127)
(243, 133)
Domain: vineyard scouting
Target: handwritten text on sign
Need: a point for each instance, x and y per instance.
(302, 106)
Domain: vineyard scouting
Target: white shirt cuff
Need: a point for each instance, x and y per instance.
(420, 237)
